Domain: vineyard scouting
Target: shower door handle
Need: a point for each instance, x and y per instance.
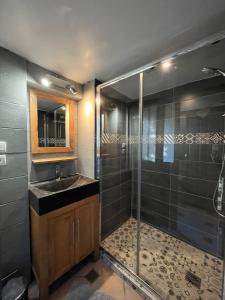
(220, 194)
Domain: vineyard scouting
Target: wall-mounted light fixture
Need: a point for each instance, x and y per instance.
(45, 82)
(58, 83)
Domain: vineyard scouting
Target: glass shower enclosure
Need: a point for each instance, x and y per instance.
(160, 161)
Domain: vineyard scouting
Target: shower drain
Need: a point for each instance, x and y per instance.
(194, 279)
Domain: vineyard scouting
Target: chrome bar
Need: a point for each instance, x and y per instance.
(98, 167)
(140, 130)
(197, 45)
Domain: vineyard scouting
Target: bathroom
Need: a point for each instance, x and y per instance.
(112, 157)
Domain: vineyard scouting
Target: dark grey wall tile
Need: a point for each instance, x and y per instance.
(48, 171)
(16, 139)
(202, 170)
(13, 116)
(199, 187)
(13, 84)
(14, 239)
(110, 195)
(111, 180)
(155, 192)
(15, 249)
(125, 175)
(194, 237)
(13, 213)
(157, 166)
(188, 201)
(125, 214)
(9, 186)
(109, 226)
(125, 203)
(149, 204)
(157, 179)
(110, 165)
(195, 218)
(16, 166)
(125, 188)
(154, 219)
(110, 210)
(16, 236)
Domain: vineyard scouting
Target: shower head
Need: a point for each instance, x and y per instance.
(213, 71)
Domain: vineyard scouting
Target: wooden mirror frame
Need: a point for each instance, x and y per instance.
(70, 114)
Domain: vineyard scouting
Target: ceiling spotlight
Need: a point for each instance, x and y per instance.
(45, 82)
(166, 65)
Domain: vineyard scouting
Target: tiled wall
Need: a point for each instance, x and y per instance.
(48, 171)
(182, 151)
(14, 220)
(14, 178)
(116, 179)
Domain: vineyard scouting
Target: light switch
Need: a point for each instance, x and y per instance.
(3, 147)
(3, 161)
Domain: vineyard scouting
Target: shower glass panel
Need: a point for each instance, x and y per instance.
(162, 173)
(181, 238)
(118, 227)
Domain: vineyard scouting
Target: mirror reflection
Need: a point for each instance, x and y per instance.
(51, 123)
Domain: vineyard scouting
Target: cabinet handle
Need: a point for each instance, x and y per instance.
(78, 230)
(73, 232)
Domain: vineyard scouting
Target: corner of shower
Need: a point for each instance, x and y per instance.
(160, 143)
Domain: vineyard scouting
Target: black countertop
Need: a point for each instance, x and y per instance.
(43, 201)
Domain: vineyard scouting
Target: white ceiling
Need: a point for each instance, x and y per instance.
(184, 69)
(86, 39)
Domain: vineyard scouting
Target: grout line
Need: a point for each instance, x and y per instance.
(15, 177)
(179, 191)
(178, 175)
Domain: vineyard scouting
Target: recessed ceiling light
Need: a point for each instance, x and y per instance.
(166, 65)
(45, 82)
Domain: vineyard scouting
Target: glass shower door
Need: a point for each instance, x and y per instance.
(118, 203)
(181, 236)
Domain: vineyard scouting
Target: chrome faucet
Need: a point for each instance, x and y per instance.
(58, 173)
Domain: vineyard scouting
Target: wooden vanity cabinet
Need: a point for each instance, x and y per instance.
(62, 238)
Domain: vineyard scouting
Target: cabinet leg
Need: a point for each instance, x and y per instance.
(96, 254)
(43, 291)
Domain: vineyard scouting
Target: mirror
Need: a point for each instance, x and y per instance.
(52, 123)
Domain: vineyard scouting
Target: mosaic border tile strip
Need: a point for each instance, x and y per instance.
(165, 261)
(188, 138)
(52, 141)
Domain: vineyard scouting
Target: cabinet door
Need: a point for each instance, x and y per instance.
(61, 244)
(85, 231)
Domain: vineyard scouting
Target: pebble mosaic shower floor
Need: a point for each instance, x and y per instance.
(165, 261)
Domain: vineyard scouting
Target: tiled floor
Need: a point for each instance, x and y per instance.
(108, 283)
(165, 260)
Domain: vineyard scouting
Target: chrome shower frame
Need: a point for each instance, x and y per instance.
(98, 170)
